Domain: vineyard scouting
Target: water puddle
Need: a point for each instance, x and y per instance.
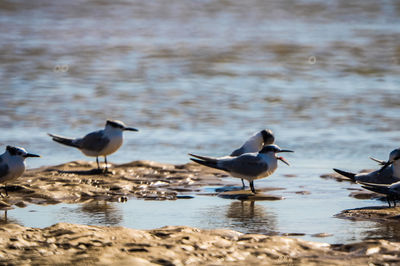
(307, 216)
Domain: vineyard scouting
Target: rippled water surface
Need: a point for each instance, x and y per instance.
(201, 76)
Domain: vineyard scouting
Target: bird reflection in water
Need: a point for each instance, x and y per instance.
(388, 230)
(247, 217)
(102, 212)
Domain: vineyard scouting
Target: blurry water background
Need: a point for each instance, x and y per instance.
(201, 76)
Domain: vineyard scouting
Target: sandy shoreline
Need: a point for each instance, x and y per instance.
(64, 243)
(75, 182)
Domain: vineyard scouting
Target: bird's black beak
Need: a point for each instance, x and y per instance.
(130, 129)
(285, 151)
(31, 155)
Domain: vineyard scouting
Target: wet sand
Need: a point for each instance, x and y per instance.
(73, 182)
(65, 243)
(80, 181)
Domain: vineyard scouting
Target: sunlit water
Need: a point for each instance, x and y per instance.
(201, 76)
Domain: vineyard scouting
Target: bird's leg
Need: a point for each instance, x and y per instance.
(252, 187)
(105, 161)
(388, 200)
(394, 203)
(244, 186)
(97, 161)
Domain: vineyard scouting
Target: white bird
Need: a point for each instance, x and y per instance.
(254, 144)
(249, 166)
(12, 164)
(98, 143)
(385, 175)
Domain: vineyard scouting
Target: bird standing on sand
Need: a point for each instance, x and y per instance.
(385, 175)
(254, 144)
(98, 143)
(12, 164)
(249, 166)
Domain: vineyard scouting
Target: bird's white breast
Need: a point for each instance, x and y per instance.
(16, 167)
(396, 168)
(272, 163)
(114, 144)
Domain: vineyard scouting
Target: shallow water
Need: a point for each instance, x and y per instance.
(201, 76)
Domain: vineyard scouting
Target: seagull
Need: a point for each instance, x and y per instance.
(254, 144)
(249, 166)
(385, 175)
(98, 143)
(12, 164)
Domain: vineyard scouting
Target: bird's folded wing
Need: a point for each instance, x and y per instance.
(247, 165)
(3, 170)
(94, 141)
(377, 177)
(238, 152)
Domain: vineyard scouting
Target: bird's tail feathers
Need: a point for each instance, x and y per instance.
(207, 163)
(204, 158)
(346, 174)
(63, 140)
(377, 189)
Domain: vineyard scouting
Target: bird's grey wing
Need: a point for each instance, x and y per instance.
(237, 152)
(94, 141)
(3, 170)
(383, 177)
(247, 165)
